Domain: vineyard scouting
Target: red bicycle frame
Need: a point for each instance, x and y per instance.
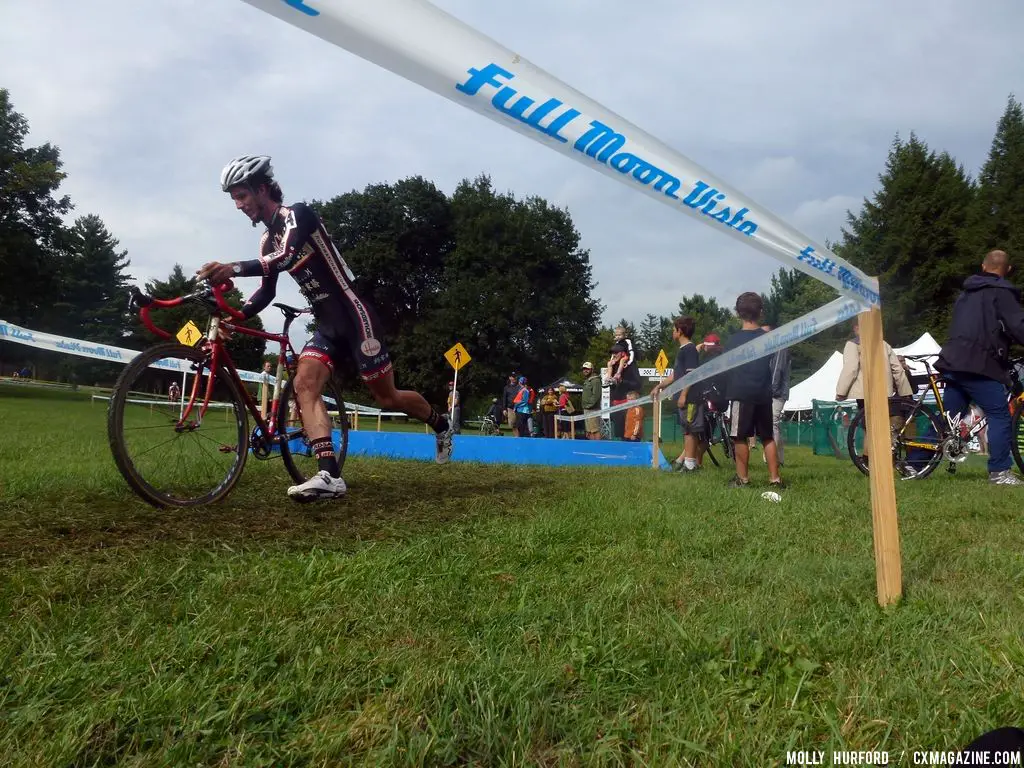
(213, 344)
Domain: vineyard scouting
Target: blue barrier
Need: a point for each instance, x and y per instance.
(505, 450)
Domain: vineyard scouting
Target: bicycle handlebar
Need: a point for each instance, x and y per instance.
(211, 296)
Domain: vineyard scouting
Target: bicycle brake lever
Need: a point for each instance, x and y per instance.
(137, 299)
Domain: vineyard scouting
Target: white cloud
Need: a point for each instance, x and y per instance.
(795, 106)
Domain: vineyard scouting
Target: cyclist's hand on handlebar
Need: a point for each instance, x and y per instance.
(216, 272)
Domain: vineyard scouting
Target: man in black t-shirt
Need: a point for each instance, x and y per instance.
(691, 408)
(749, 389)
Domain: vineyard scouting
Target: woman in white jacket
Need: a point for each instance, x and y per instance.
(851, 379)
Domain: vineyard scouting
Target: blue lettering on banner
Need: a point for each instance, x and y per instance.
(77, 346)
(299, 5)
(846, 277)
(603, 144)
(14, 332)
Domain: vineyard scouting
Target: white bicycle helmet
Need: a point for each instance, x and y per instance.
(243, 168)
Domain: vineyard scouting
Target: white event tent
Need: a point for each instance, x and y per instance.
(821, 385)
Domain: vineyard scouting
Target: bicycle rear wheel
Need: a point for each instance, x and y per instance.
(913, 427)
(167, 462)
(298, 458)
(711, 425)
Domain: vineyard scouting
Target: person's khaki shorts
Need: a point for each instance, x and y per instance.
(510, 416)
(593, 423)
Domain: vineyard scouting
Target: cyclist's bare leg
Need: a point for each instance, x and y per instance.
(741, 448)
(771, 453)
(388, 397)
(310, 379)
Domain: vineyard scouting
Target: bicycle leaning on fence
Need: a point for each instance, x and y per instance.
(932, 434)
(183, 454)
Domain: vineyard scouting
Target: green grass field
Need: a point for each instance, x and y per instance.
(491, 616)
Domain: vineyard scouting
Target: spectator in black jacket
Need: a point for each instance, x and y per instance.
(987, 318)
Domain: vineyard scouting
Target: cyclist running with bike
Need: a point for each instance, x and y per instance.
(296, 241)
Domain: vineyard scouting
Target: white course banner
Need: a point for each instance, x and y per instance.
(426, 45)
(43, 340)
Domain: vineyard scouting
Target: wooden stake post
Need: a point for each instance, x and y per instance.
(888, 568)
(656, 429)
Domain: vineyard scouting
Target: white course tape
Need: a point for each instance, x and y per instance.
(422, 43)
(106, 352)
(111, 354)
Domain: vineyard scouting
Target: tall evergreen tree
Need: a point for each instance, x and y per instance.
(998, 220)
(909, 235)
(93, 287)
(648, 338)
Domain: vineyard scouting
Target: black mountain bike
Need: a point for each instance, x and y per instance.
(922, 436)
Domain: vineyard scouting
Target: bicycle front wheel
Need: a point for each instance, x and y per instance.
(295, 451)
(170, 459)
(915, 439)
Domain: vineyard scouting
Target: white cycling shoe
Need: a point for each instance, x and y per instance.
(319, 486)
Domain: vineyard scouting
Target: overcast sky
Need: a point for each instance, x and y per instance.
(794, 103)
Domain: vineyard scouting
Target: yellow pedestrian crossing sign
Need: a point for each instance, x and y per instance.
(189, 334)
(661, 363)
(457, 356)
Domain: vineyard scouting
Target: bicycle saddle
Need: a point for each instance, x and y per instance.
(289, 311)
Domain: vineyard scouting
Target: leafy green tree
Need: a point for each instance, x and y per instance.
(30, 219)
(709, 315)
(504, 276)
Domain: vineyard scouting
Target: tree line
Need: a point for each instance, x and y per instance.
(504, 275)
(923, 231)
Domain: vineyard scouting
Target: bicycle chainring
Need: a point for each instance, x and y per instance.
(954, 449)
(261, 448)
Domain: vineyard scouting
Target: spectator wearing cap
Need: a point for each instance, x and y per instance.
(508, 396)
(591, 401)
(454, 408)
(522, 406)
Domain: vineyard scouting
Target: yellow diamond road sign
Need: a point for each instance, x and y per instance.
(661, 363)
(189, 334)
(457, 356)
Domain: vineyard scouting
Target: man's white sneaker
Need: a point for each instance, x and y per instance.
(1006, 477)
(443, 449)
(319, 486)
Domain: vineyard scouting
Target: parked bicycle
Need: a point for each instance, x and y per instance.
(716, 432)
(933, 434)
(184, 454)
(488, 427)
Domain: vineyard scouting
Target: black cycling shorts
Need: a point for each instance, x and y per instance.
(371, 355)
